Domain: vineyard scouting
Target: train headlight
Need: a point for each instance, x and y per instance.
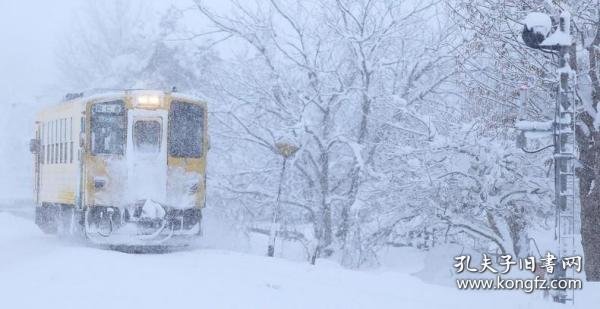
(148, 101)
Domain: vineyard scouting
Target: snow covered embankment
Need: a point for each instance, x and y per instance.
(39, 271)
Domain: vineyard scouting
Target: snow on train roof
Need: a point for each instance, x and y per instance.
(109, 95)
(133, 92)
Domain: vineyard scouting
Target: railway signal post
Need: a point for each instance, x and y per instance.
(562, 129)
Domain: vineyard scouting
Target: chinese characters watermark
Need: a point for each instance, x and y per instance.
(548, 263)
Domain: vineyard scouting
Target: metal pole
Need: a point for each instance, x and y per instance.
(275, 215)
(564, 154)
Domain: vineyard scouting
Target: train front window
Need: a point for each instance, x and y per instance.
(146, 136)
(108, 128)
(186, 128)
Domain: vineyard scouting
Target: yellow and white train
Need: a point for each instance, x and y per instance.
(124, 167)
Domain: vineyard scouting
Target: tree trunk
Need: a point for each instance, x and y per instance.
(589, 194)
(325, 230)
(590, 234)
(324, 223)
(355, 174)
(517, 228)
(589, 188)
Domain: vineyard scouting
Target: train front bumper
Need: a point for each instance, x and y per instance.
(142, 223)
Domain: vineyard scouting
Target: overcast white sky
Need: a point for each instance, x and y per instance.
(29, 32)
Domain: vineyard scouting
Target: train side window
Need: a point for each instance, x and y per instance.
(51, 141)
(44, 142)
(47, 142)
(41, 138)
(64, 140)
(60, 150)
(51, 156)
(60, 140)
(71, 140)
(56, 141)
(60, 127)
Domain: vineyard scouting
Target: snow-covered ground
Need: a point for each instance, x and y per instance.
(40, 271)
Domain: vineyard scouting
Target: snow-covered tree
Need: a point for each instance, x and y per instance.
(347, 84)
(120, 44)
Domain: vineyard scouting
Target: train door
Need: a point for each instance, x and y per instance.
(147, 154)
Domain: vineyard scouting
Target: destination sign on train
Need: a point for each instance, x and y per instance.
(115, 108)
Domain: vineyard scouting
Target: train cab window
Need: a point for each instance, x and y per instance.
(146, 136)
(186, 128)
(108, 128)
